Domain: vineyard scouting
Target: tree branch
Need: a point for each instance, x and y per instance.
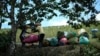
(6, 9)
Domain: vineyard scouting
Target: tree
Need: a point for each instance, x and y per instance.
(36, 10)
(26, 11)
(2, 20)
(79, 7)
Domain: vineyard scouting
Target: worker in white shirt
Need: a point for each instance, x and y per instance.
(38, 30)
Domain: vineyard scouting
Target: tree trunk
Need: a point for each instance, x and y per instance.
(21, 15)
(0, 23)
(13, 37)
(13, 40)
(13, 30)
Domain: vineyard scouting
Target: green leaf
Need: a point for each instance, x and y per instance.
(9, 23)
(3, 20)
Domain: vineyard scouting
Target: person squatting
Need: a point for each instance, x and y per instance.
(36, 34)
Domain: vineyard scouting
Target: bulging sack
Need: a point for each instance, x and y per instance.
(73, 40)
(63, 40)
(46, 42)
(54, 42)
(31, 39)
(83, 40)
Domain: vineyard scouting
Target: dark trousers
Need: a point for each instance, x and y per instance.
(21, 39)
(41, 37)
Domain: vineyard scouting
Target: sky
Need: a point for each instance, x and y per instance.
(57, 21)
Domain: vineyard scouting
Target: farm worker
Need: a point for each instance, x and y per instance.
(23, 33)
(59, 35)
(38, 30)
(62, 40)
(82, 32)
(94, 31)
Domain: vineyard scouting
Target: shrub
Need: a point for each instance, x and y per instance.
(98, 35)
(89, 50)
(4, 40)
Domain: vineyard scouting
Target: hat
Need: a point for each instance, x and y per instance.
(81, 31)
(37, 24)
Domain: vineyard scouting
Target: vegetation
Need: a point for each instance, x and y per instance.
(36, 10)
(98, 35)
(5, 40)
(88, 50)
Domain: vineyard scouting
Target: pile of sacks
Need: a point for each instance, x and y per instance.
(67, 38)
(62, 38)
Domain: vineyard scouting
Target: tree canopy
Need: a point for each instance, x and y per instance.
(36, 10)
(19, 11)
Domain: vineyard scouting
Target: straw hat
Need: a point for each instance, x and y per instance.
(81, 31)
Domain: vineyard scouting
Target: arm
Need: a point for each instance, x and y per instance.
(40, 29)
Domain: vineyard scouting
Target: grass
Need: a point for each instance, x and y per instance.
(95, 42)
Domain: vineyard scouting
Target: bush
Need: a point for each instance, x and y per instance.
(98, 35)
(89, 50)
(4, 40)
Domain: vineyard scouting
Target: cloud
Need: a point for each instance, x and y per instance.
(56, 21)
